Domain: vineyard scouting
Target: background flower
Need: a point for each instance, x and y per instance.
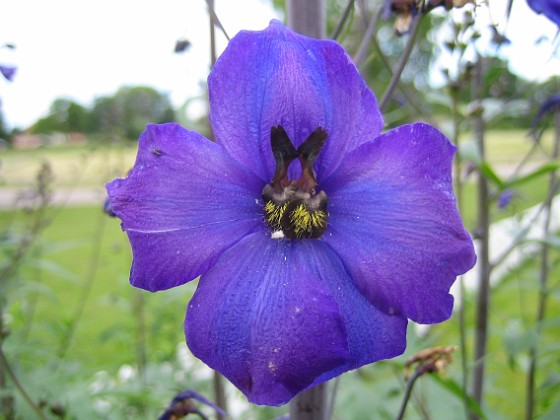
(550, 8)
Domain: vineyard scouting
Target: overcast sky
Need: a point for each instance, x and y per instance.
(84, 49)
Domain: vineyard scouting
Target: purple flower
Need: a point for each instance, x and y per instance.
(550, 8)
(315, 236)
(184, 403)
(8, 72)
(505, 199)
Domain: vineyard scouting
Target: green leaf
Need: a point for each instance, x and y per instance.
(553, 414)
(469, 151)
(454, 388)
(491, 175)
(537, 173)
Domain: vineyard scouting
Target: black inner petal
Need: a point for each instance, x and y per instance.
(293, 208)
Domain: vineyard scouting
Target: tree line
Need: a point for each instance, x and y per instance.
(125, 114)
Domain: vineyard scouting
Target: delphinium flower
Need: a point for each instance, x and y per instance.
(184, 403)
(315, 236)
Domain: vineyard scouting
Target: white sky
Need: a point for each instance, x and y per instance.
(84, 49)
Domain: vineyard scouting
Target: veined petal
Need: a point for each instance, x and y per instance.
(277, 77)
(276, 317)
(394, 222)
(184, 202)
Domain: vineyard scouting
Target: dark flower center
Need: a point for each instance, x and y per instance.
(293, 208)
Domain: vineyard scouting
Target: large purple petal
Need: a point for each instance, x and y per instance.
(550, 8)
(184, 202)
(277, 77)
(394, 222)
(276, 317)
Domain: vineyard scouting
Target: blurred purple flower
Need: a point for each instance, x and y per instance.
(184, 404)
(551, 104)
(549, 8)
(307, 270)
(8, 72)
(505, 198)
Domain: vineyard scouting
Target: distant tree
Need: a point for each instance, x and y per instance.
(107, 117)
(65, 116)
(4, 134)
(143, 105)
(129, 110)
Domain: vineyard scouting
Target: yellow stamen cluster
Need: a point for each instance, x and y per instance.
(274, 212)
(305, 222)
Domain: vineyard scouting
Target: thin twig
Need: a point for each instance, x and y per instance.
(87, 286)
(20, 387)
(330, 409)
(219, 394)
(483, 229)
(403, 60)
(458, 164)
(522, 235)
(338, 29)
(368, 36)
(408, 392)
(410, 96)
(215, 18)
(543, 281)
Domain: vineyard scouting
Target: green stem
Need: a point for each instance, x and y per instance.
(7, 368)
(408, 394)
(403, 60)
(543, 281)
(483, 230)
(454, 93)
(86, 288)
(310, 404)
(338, 29)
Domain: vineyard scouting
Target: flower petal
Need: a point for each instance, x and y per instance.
(8, 72)
(551, 9)
(276, 317)
(277, 77)
(184, 202)
(394, 222)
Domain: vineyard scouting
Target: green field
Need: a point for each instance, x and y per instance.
(73, 317)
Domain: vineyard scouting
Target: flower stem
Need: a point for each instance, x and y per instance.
(340, 25)
(6, 366)
(454, 91)
(310, 404)
(483, 230)
(404, 59)
(543, 280)
(219, 394)
(408, 393)
(309, 18)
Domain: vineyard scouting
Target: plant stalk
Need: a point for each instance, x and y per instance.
(408, 393)
(403, 60)
(483, 232)
(543, 280)
(309, 18)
